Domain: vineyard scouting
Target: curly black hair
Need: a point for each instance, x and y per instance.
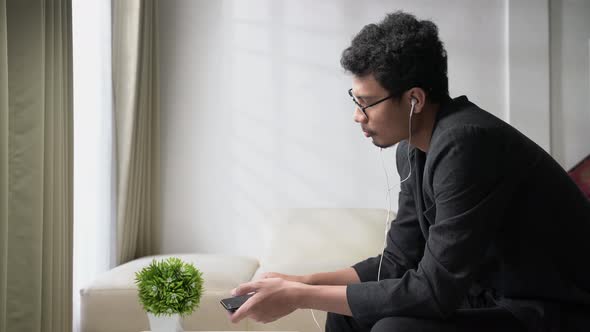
(401, 52)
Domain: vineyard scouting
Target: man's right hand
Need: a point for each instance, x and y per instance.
(341, 277)
(302, 279)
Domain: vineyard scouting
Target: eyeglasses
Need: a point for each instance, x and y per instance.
(363, 108)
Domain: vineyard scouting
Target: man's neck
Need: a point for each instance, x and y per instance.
(423, 125)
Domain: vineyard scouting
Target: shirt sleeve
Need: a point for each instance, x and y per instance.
(471, 192)
(405, 241)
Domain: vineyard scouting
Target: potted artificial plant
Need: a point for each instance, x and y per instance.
(169, 290)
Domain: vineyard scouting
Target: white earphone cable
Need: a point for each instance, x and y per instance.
(315, 320)
(389, 189)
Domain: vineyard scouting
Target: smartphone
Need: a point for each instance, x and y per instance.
(233, 303)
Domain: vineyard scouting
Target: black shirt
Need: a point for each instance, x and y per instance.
(486, 214)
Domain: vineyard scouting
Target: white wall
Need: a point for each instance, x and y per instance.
(570, 80)
(256, 115)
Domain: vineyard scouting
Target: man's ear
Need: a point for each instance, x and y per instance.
(419, 97)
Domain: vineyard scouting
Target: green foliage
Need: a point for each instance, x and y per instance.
(169, 286)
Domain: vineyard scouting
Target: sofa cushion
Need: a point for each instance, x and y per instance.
(302, 241)
(110, 303)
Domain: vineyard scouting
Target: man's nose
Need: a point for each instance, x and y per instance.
(359, 116)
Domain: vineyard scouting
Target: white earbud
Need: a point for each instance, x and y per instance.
(413, 102)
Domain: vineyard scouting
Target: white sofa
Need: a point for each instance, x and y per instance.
(298, 241)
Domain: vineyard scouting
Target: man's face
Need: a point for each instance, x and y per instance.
(387, 122)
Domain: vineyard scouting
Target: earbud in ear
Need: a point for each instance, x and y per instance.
(413, 101)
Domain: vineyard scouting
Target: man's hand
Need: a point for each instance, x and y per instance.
(274, 298)
(302, 279)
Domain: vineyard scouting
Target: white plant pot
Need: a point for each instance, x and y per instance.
(165, 323)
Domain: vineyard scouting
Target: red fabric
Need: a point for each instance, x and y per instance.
(581, 175)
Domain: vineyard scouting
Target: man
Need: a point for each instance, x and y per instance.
(490, 235)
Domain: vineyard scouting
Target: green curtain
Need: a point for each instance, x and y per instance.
(137, 127)
(3, 164)
(35, 165)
